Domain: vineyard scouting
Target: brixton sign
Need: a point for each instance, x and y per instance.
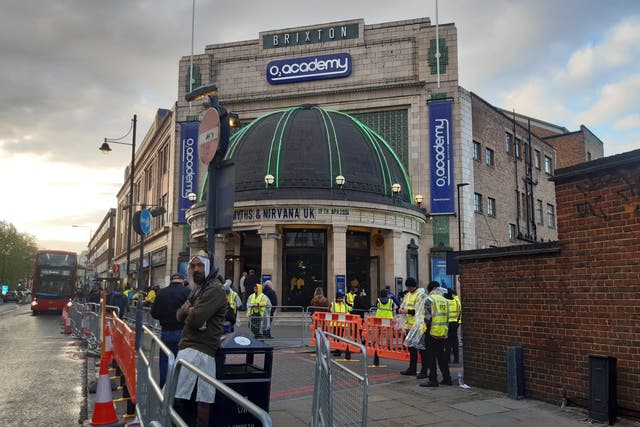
(309, 68)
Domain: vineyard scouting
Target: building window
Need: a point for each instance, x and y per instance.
(547, 165)
(536, 159)
(588, 156)
(477, 202)
(476, 150)
(148, 178)
(393, 126)
(539, 211)
(488, 156)
(491, 207)
(508, 140)
(512, 232)
(551, 216)
(518, 141)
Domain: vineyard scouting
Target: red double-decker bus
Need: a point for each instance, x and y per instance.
(55, 275)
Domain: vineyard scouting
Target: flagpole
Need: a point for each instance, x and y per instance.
(437, 46)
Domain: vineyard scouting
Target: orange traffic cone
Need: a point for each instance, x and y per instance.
(108, 343)
(104, 411)
(67, 325)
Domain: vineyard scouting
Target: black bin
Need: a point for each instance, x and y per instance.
(603, 401)
(243, 364)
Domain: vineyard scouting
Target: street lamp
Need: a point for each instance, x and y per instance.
(340, 180)
(459, 188)
(269, 180)
(218, 149)
(105, 149)
(419, 198)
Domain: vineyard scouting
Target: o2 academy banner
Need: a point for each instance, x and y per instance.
(188, 177)
(441, 157)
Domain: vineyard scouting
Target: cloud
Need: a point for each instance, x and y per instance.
(628, 122)
(613, 99)
(619, 48)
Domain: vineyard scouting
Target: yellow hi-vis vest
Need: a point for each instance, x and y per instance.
(232, 298)
(254, 305)
(339, 307)
(410, 298)
(350, 298)
(457, 299)
(385, 310)
(454, 310)
(439, 316)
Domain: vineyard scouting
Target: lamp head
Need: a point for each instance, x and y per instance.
(340, 180)
(269, 179)
(192, 197)
(104, 148)
(201, 92)
(418, 198)
(396, 188)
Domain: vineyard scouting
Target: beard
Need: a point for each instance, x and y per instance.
(198, 278)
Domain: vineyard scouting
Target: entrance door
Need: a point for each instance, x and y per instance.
(374, 274)
(359, 262)
(305, 265)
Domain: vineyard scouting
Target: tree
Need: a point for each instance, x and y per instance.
(17, 254)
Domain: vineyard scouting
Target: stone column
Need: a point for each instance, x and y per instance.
(395, 262)
(272, 256)
(337, 259)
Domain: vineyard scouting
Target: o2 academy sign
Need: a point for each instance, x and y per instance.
(309, 68)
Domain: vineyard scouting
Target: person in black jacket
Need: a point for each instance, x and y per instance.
(273, 297)
(166, 304)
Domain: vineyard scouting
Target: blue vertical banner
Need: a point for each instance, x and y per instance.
(441, 157)
(188, 177)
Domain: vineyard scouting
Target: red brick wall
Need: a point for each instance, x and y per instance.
(563, 301)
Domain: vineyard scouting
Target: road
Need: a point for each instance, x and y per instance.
(40, 369)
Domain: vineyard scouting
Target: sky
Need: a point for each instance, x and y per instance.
(73, 72)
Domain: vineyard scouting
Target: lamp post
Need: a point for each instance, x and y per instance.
(105, 149)
(211, 150)
(142, 225)
(459, 188)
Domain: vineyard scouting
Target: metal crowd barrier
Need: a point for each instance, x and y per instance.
(155, 405)
(340, 394)
(288, 326)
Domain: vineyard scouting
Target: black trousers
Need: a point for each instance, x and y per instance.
(436, 354)
(413, 359)
(452, 345)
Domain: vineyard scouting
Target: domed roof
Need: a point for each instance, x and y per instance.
(305, 148)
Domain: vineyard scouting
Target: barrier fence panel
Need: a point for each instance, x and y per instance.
(383, 336)
(155, 406)
(124, 353)
(346, 391)
(322, 410)
(76, 319)
(286, 328)
(347, 326)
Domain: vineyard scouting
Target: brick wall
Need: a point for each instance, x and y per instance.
(565, 300)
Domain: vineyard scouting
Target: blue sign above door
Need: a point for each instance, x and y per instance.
(309, 68)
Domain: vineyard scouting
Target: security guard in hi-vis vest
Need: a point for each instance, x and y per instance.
(452, 347)
(412, 307)
(437, 318)
(340, 307)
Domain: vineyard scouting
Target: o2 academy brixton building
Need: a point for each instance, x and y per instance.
(361, 161)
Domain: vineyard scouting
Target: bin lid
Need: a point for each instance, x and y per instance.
(238, 342)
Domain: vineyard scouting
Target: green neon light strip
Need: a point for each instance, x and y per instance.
(287, 116)
(204, 185)
(386, 144)
(331, 136)
(238, 138)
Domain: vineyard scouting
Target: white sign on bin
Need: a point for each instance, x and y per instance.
(209, 137)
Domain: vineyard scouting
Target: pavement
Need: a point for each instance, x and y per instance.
(392, 399)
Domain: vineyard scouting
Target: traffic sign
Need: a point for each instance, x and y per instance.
(209, 137)
(142, 221)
